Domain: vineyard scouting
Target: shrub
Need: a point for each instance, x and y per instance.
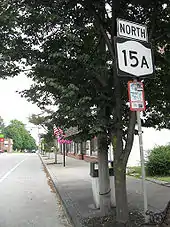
(158, 163)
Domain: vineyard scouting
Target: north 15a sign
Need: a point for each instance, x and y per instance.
(136, 96)
(133, 58)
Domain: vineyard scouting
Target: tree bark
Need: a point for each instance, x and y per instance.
(104, 180)
(122, 212)
(120, 162)
(81, 149)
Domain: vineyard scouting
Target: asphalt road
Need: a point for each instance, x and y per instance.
(26, 199)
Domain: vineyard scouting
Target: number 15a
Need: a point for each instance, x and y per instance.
(134, 61)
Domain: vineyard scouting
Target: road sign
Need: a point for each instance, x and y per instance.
(1, 139)
(136, 96)
(131, 30)
(133, 58)
(72, 131)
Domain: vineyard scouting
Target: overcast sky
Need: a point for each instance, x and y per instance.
(12, 106)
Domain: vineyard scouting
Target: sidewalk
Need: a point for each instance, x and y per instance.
(73, 183)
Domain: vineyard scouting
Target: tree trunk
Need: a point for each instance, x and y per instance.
(81, 149)
(120, 162)
(104, 180)
(122, 213)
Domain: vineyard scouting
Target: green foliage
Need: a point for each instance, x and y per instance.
(63, 42)
(72, 70)
(22, 139)
(48, 141)
(159, 161)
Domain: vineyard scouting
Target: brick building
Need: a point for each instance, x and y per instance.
(6, 145)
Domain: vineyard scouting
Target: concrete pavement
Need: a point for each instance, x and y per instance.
(74, 186)
(26, 199)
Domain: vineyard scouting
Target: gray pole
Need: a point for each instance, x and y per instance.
(55, 150)
(142, 163)
(64, 154)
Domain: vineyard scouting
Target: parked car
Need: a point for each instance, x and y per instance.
(1, 151)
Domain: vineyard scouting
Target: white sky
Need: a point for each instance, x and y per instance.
(12, 106)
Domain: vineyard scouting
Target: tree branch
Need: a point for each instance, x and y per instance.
(107, 40)
(153, 21)
(100, 25)
(159, 37)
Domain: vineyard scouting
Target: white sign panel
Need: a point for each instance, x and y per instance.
(133, 58)
(136, 96)
(131, 30)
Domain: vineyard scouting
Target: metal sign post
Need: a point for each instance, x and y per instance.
(142, 163)
(137, 103)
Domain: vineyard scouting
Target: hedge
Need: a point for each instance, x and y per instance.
(158, 163)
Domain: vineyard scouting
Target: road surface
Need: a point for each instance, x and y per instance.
(26, 199)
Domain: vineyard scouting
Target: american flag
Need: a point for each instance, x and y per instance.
(58, 131)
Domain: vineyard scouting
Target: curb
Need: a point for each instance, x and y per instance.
(162, 183)
(57, 192)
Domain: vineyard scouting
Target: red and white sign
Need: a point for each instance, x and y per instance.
(136, 96)
(1, 139)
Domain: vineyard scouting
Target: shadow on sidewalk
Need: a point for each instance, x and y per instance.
(73, 184)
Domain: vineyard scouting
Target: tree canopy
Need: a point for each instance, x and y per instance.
(69, 69)
(69, 45)
(22, 139)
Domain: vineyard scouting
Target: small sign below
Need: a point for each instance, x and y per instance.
(131, 30)
(136, 96)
